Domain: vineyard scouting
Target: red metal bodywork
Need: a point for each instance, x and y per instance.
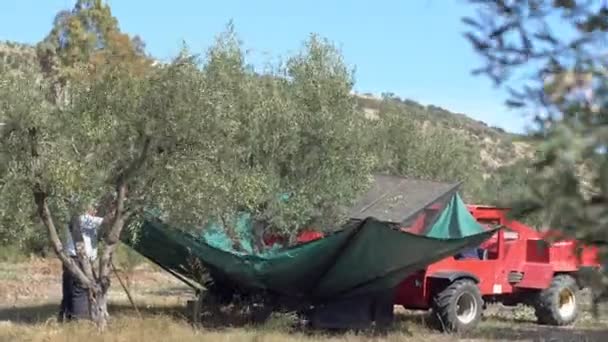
(515, 249)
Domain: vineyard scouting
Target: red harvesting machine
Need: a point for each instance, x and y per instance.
(515, 266)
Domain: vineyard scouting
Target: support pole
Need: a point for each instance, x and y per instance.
(126, 290)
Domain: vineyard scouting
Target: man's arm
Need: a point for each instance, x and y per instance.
(107, 219)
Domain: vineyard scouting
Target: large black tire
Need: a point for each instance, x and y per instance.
(558, 304)
(458, 308)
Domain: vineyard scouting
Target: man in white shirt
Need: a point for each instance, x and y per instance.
(89, 226)
(75, 303)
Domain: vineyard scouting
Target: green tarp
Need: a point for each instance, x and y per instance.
(363, 258)
(454, 222)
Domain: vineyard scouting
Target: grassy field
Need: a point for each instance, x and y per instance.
(30, 293)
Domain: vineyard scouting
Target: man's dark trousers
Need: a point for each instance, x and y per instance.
(75, 301)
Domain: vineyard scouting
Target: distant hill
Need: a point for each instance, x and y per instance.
(497, 147)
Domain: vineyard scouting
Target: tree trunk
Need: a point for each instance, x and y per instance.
(97, 285)
(98, 301)
(99, 295)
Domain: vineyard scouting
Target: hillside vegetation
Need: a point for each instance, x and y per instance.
(496, 147)
(16, 56)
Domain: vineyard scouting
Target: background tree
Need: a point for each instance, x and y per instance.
(560, 47)
(508, 185)
(408, 146)
(85, 41)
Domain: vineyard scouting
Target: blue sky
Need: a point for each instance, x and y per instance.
(413, 48)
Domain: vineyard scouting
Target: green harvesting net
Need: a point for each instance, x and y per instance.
(370, 254)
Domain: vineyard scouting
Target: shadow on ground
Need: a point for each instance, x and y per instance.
(513, 329)
(518, 332)
(36, 314)
(172, 291)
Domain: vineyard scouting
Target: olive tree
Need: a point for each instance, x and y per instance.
(292, 130)
(192, 139)
(103, 142)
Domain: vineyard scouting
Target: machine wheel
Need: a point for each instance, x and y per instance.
(458, 307)
(557, 304)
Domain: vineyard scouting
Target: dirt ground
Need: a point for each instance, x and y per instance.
(30, 293)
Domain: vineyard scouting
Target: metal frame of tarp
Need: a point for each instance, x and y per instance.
(408, 196)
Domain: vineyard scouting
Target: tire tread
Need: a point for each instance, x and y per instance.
(443, 302)
(546, 308)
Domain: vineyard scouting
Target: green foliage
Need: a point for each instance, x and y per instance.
(419, 149)
(17, 57)
(193, 140)
(508, 185)
(205, 137)
(23, 108)
(88, 38)
(325, 161)
(566, 92)
(293, 131)
(219, 137)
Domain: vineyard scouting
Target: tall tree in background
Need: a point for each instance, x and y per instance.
(85, 41)
(560, 47)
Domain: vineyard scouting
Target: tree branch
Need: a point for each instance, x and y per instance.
(124, 176)
(120, 214)
(40, 198)
(113, 235)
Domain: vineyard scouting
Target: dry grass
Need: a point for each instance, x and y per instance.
(30, 316)
(162, 329)
(166, 327)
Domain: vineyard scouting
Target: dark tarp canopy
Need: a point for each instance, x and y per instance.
(364, 258)
(395, 199)
(397, 232)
